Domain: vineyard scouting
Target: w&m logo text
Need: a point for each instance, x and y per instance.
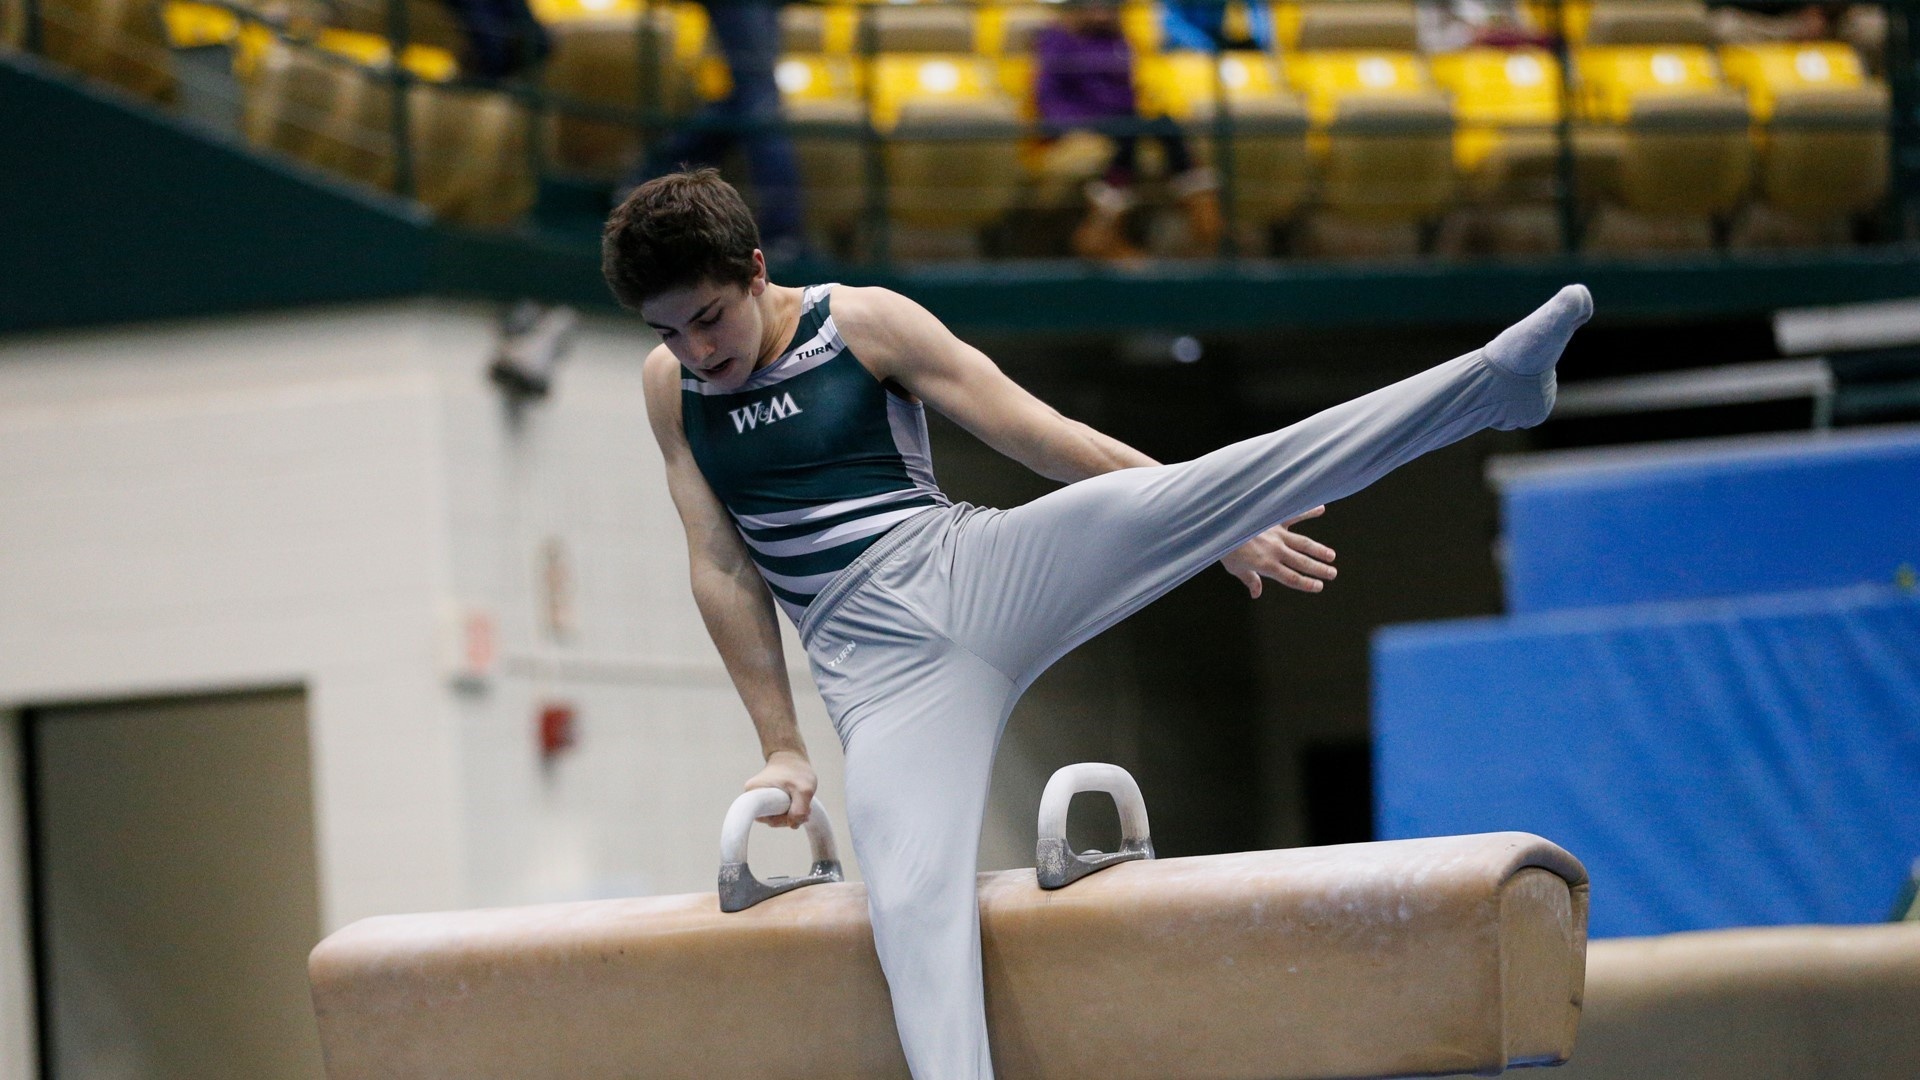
(763, 412)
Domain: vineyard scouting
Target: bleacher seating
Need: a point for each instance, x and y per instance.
(1644, 22)
(1270, 175)
(1383, 141)
(1347, 136)
(117, 41)
(952, 139)
(821, 93)
(13, 26)
(327, 103)
(1506, 148)
(1820, 128)
(922, 28)
(607, 57)
(1677, 139)
(1314, 25)
(428, 22)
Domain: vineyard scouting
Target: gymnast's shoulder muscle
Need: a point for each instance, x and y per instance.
(892, 335)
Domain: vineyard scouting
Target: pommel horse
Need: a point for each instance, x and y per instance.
(1402, 958)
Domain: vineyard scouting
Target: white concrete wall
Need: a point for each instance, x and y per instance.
(317, 499)
(242, 504)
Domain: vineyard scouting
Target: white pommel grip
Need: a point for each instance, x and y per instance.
(1055, 863)
(739, 889)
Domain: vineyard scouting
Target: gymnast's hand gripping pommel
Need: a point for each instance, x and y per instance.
(739, 889)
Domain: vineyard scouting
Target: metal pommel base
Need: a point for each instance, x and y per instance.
(1056, 864)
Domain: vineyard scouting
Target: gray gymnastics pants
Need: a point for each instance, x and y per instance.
(923, 645)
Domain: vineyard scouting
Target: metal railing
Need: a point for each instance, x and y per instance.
(557, 119)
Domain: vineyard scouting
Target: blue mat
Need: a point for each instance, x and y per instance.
(1812, 512)
(1717, 763)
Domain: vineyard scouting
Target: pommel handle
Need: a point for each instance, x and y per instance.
(739, 889)
(1057, 865)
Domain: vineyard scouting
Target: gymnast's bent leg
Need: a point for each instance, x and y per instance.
(1035, 581)
(919, 719)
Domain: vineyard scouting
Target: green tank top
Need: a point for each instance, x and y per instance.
(813, 458)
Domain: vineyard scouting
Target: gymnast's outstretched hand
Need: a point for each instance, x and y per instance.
(1293, 560)
(792, 773)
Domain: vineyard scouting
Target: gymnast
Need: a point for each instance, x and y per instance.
(794, 435)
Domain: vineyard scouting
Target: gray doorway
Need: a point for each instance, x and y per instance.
(175, 888)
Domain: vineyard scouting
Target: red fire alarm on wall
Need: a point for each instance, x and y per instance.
(556, 728)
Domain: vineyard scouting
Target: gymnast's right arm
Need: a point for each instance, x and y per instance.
(733, 600)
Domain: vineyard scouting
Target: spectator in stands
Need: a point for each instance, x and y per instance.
(503, 37)
(1083, 80)
(1212, 25)
(1863, 26)
(1464, 24)
(749, 34)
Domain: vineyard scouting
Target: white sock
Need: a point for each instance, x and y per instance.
(1534, 344)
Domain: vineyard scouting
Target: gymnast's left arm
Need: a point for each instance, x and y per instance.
(901, 342)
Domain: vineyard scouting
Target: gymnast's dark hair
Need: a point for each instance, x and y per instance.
(677, 231)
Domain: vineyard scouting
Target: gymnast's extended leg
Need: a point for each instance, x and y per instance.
(1031, 583)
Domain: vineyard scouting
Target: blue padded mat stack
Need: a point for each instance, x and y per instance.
(1710, 690)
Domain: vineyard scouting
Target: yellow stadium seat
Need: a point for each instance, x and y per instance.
(1507, 104)
(324, 105)
(1769, 70)
(804, 78)
(1627, 22)
(1681, 152)
(686, 31)
(192, 25)
(954, 80)
(1381, 130)
(1325, 78)
(303, 103)
(1008, 29)
(1313, 25)
(1611, 79)
(821, 95)
(1007, 35)
(117, 41)
(429, 22)
(1821, 126)
(616, 60)
(952, 140)
(549, 11)
(423, 61)
(818, 29)
(922, 28)
(470, 154)
(1270, 174)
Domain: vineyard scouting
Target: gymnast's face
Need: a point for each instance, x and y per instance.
(716, 331)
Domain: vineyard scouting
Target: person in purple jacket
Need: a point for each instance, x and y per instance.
(1083, 80)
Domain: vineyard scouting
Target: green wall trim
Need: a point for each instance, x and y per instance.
(113, 211)
(1198, 297)
(1254, 296)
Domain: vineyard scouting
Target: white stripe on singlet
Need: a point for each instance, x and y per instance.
(795, 361)
(824, 510)
(843, 533)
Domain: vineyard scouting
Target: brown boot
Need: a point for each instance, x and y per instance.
(1102, 235)
(1199, 197)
